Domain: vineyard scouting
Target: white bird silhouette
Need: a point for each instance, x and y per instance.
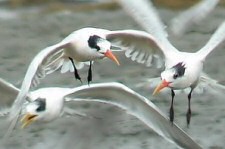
(46, 104)
(83, 45)
(182, 69)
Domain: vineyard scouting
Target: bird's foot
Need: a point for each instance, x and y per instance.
(77, 76)
(188, 117)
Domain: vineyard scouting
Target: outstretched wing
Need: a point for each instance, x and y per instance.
(136, 105)
(181, 23)
(216, 39)
(144, 13)
(45, 62)
(209, 85)
(8, 93)
(139, 46)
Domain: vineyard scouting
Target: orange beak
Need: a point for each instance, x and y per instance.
(111, 56)
(27, 119)
(162, 85)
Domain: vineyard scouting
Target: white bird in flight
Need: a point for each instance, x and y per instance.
(182, 69)
(44, 106)
(83, 45)
(88, 44)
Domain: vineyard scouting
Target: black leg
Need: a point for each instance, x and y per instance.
(171, 106)
(89, 78)
(77, 76)
(188, 114)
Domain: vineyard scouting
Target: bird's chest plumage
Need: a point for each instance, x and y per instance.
(81, 52)
(193, 72)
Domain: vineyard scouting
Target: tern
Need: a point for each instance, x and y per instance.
(86, 44)
(44, 106)
(182, 69)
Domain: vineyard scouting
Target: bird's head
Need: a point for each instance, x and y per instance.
(33, 111)
(102, 47)
(171, 77)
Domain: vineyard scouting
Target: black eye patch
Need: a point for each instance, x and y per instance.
(41, 102)
(92, 42)
(175, 76)
(180, 70)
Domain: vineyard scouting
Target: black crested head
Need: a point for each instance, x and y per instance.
(41, 102)
(92, 42)
(180, 70)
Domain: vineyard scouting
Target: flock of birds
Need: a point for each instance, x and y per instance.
(181, 70)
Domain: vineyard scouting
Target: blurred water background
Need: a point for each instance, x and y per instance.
(28, 26)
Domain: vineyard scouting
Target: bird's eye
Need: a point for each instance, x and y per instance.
(98, 48)
(175, 76)
(41, 104)
(93, 42)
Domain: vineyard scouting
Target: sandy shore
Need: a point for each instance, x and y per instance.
(24, 35)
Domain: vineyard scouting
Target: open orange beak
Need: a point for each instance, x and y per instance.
(111, 56)
(162, 85)
(27, 119)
